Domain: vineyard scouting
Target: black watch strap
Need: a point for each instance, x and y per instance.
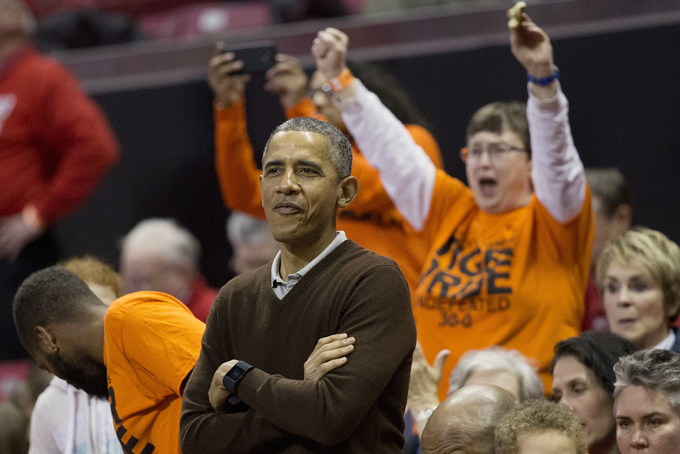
(232, 378)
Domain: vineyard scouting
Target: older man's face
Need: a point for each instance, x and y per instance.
(300, 188)
(646, 422)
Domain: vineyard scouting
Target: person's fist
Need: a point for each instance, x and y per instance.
(330, 51)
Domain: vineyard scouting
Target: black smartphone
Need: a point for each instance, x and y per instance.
(256, 58)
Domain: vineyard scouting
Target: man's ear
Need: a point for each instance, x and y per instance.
(46, 339)
(348, 189)
(261, 199)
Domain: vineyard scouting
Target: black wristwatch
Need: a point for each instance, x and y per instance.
(233, 378)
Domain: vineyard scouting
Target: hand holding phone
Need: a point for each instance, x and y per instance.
(256, 58)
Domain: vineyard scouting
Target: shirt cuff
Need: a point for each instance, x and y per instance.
(355, 104)
(551, 104)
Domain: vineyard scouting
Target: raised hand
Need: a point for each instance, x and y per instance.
(330, 51)
(226, 84)
(531, 47)
(287, 80)
(422, 390)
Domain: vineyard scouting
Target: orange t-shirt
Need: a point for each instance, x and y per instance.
(371, 220)
(152, 342)
(514, 279)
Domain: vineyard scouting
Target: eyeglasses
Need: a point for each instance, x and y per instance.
(496, 151)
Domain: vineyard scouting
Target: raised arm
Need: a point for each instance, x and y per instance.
(237, 171)
(385, 142)
(557, 171)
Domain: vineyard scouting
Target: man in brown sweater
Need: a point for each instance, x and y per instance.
(247, 393)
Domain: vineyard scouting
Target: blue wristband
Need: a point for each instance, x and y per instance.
(543, 81)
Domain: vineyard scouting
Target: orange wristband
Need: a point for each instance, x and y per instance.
(342, 81)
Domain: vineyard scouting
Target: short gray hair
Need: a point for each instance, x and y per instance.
(167, 237)
(339, 149)
(652, 369)
(498, 358)
(247, 230)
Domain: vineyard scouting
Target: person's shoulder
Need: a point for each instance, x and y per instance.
(359, 258)
(142, 302)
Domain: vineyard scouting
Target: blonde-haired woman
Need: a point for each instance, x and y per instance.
(638, 276)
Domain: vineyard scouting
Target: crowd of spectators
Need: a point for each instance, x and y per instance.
(520, 313)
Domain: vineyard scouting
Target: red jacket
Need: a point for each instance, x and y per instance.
(55, 143)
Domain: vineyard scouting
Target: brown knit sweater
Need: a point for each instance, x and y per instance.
(357, 408)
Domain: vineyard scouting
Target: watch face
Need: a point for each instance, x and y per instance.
(234, 372)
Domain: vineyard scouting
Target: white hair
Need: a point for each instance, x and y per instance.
(652, 369)
(247, 230)
(498, 358)
(166, 237)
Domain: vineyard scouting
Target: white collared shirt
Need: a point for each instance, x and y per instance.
(281, 287)
(668, 342)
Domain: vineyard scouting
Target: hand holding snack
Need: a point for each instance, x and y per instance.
(515, 15)
(532, 48)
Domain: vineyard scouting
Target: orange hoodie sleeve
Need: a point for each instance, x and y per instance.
(237, 172)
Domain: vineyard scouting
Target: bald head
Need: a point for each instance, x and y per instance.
(466, 421)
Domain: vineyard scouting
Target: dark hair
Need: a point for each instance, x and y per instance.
(598, 351)
(391, 93)
(497, 116)
(49, 296)
(611, 187)
(339, 148)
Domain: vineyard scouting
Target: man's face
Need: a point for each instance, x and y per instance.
(300, 188)
(646, 422)
(499, 182)
(77, 369)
